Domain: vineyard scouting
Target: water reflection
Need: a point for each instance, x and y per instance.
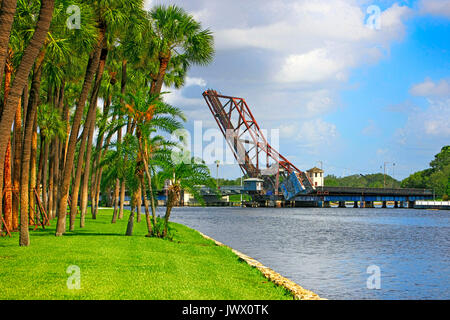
(328, 250)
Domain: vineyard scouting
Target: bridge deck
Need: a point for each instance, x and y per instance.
(372, 191)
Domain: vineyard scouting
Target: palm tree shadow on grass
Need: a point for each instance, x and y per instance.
(39, 233)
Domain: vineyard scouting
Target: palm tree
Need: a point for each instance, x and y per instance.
(51, 126)
(184, 176)
(20, 80)
(111, 15)
(150, 114)
(180, 39)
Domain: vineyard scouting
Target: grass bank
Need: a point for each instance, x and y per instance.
(114, 266)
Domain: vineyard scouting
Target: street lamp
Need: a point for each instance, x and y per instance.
(385, 163)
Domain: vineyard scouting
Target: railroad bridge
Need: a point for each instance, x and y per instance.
(283, 182)
(323, 196)
(363, 197)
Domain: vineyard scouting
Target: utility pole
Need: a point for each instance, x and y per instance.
(241, 191)
(385, 163)
(393, 174)
(217, 174)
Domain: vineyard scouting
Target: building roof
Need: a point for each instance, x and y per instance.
(253, 179)
(315, 169)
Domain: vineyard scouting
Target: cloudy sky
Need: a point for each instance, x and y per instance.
(350, 83)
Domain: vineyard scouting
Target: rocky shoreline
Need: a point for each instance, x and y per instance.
(298, 291)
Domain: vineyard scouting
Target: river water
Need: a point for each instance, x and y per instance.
(329, 250)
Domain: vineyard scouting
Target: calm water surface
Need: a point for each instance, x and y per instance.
(328, 250)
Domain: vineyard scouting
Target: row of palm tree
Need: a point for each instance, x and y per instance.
(59, 150)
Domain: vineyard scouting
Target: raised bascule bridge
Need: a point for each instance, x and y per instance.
(283, 184)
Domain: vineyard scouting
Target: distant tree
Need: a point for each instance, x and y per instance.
(361, 181)
(436, 177)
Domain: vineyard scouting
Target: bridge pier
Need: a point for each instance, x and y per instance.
(368, 204)
(342, 204)
(396, 204)
(384, 205)
(355, 204)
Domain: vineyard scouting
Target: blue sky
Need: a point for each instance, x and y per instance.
(339, 91)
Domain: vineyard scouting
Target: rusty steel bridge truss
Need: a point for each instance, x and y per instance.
(254, 154)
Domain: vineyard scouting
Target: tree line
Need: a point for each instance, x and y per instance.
(376, 180)
(82, 112)
(436, 177)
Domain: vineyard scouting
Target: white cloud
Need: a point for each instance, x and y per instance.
(371, 129)
(195, 82)
(435, 7)
(320, 40)
(428, 88)
(314, 66)
(427, 127)
(311, 132)
(194, 108)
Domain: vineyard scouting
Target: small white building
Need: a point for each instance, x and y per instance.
(316, 176)
(253, 184)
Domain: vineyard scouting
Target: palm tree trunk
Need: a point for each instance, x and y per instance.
(65, 182)
(117, 187)
(17, 134)
(25, 165)
(92, 103)
(130, 224)
(77, 180)
(44, 174)
(23, 71)
(99, 152)
(122, 198)
(33, 167)
(149, 181)
(87, 165)
(32, 101)
(9, 200)
(7, 11)
(51, 176)
(147, 213)
(7, 208)
(163, 64)
(116, 201)
(171, 200)
(138, 204)
(55, 176)
(98, 178)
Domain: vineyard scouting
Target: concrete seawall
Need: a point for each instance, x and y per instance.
(297, 291)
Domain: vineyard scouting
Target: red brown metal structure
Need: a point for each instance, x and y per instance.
(235, 120)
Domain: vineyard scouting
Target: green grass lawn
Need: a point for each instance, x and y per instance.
(114, 266)
(237, 197)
